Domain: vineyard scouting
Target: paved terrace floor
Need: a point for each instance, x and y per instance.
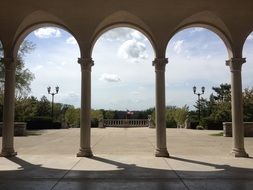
(124, 160)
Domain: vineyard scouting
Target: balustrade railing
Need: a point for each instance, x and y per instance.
(125, 123)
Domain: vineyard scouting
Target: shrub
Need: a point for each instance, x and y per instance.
(199, 127)
(42, 123)
(94, 122)
(211, 124)
(193, 124)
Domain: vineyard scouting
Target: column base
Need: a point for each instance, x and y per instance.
(161, 152)
(85, 153)
(8, 153)
(239, 153)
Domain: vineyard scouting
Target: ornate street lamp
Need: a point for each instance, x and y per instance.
(199, 94)
(53, 93)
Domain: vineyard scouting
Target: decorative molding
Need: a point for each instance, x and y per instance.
(86, 63)
(235, 64)
(160, 63)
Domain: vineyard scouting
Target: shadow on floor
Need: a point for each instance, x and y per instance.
(127, 176)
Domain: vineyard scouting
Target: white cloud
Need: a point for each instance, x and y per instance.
(69, 98)
(71, 40)
(117, 34)
(133, 50)
(208, 56)
(110, 77)
(37, 67)
(47, 32)
(138, 35)
(178, 46)
(198, 29)
(124, 34)
(135, 93)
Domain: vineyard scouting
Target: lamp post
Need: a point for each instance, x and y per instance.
(199, 94)
(52, 93)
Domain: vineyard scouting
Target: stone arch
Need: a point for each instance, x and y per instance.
(123, 19)
(36, 20)
(210, 21)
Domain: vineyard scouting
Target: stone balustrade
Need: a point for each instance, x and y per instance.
(125, 123)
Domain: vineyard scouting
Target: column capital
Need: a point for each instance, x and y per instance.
(86, 63)
(235, 64)
(160, 63)
(9, 63)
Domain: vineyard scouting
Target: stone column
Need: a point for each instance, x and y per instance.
(85, 124)
(160, 108)
(235, 65)
(8, 109)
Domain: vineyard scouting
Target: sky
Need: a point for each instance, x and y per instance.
(123, 76)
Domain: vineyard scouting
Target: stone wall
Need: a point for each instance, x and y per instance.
(248, 129)
(19, 128)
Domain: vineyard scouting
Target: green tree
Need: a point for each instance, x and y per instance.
(217, 109)
(170, 119)
(180, 115)
(222, 93)
(248, 104)
(109, 114)
(222, 103)
(25, 108)
(95, 116)
(24, 76)
(72, 116)
(43, 107)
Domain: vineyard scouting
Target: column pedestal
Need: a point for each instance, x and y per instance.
(85, 121)
(235, 65)
(85, 153)
(160, 109)
(8, 109)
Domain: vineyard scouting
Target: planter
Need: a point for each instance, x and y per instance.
(19, 128)
(248, 129)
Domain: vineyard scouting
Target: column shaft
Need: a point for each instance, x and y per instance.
(8, 109)
(235, 65)
(160, 108)
(85, 123)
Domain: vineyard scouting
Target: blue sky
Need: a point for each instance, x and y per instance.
(123, 75)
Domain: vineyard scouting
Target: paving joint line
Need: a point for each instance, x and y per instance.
(65, 174)
(176, 174)
(99, 140)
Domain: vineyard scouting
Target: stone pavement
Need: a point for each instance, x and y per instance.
(124, 160)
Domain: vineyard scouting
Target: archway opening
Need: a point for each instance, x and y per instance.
(123, 75)
(47, 57)
(123, 72)
(247, 80)
(197, 58)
